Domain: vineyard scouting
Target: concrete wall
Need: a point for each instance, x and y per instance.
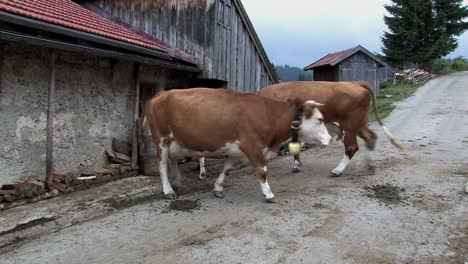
(94, 103)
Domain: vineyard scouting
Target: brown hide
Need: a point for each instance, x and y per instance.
(344, 102)
(203, 119)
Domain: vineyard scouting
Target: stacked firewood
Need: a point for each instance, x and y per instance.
(413, 76)
(34, 189)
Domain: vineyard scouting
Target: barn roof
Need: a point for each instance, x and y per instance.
(70, 15)
(333, 59)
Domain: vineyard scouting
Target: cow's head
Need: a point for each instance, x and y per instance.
(313, 128)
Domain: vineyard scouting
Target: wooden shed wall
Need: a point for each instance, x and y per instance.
(211, 30)
(359, 67)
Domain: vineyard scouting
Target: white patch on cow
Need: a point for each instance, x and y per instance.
(313, 129)
(266, 190)
(341, 166)
(230, 149)
(264, 168)
(220, 180)
(202, 175)
(163, 165)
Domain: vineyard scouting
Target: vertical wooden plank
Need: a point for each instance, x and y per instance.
(222, 53)
(248, 48)
(227, 55)
(156, 20)
(50, 120)
(233, 51)
(241, 56)
(135, 116)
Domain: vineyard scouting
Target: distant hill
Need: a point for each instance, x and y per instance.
(290, 73)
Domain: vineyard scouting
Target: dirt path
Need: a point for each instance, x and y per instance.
(411, 210)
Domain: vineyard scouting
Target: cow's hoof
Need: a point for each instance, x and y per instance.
(296, 170)
(218, 194)
(271, 200)
(170, 196)
(334, 174)
(202, 176)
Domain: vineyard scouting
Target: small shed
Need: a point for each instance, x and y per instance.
(354, 64)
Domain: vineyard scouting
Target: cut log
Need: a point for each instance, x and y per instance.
(59, 186)
(113, 166)
(21, 189)
(84, 178)
(104, 171)
(122, 156)
(8, 192)
(10, 186)
(121, 146)
(65, 177)
(36, 182)
(113, 157)
(125, 168)
(9, 198)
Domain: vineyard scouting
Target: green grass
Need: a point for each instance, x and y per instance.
(398, 93)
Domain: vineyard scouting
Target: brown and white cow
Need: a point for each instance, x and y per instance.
(202, 122)
(345, 104)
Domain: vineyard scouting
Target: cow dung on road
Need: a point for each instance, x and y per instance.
(386, 193)
(183, 205)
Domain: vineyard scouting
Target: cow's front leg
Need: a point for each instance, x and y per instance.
(261, 173)
(351, 147)
(297, 164)
(202, 168)
(162, 160)
(219, 184)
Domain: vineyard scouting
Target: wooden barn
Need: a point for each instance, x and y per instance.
(353, 64)
(74, 75)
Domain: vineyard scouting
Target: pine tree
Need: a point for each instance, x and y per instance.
(450, 15)
(422, 30)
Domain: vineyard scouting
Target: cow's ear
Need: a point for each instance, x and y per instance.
(309, 107)
(313, 103)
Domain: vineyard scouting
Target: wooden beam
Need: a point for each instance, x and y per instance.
(135, 117)
(50, 121)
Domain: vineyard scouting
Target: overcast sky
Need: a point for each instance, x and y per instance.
(299, 32)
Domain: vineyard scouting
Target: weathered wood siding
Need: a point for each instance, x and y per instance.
(360, 67)
(214, 31)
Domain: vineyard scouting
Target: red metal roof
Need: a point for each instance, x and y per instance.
(328, 59)
(71, 15)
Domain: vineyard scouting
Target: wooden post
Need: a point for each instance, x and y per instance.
(135, 117)
(50, 121)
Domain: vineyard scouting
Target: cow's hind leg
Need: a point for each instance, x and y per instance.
(162, 161)
(202, 168)
(370, 138)
(175, 173)
(351, 147)
(219, 184)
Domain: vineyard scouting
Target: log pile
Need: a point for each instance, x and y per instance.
(413, 76)
(34, 189)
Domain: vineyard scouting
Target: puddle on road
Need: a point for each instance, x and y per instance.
(385, 193)
(183, 205)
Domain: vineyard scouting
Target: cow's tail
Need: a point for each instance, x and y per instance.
(392, 138)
